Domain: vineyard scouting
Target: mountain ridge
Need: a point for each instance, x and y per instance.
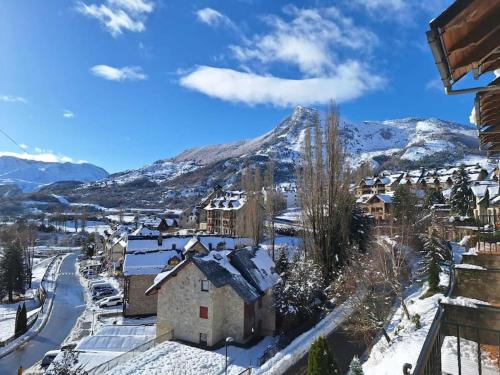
(181, 180)
(30, 175)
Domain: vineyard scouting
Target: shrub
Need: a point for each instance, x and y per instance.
(321, 360)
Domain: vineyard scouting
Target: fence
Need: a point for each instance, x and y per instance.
(106, 366)
(487, 247)
(429, 360)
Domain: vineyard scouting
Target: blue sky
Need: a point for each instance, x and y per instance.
(122, 83)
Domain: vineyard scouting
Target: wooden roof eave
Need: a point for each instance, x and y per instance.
(464, 38)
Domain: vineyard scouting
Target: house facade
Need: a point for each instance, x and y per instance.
(377, 205)
(146, 256)
(224, 211)
(224, 293)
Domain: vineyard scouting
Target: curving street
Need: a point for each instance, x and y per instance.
(68, 305)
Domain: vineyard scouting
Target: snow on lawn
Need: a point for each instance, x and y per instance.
(468, 357)
(8, 310)
(172, 357)
(407, 341)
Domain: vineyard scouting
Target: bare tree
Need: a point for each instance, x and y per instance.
(323, 186)
(251, 222)
(394, 268)
(271, 204)
(369, 294)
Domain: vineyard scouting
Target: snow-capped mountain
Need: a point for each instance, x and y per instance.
(402, 143)
(30, 175)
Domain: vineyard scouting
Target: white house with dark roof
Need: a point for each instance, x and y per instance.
(215, 294)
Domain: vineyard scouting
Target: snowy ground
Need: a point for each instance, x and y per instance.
(407, 341)
(8, 310)
(49, 285)
(175, 358)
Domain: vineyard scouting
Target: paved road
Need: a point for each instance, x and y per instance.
(68, 306)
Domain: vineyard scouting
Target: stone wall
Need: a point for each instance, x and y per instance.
(484, 260)
(265, 316)
(478, 284)
(136, 302)
(476, 323)
(179, 301)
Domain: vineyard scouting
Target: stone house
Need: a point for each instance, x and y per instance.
(213, 295)
(139, 271)
(146, 256)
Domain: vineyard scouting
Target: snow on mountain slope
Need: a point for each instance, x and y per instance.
(411, 139)
(29, 175)
(183, 179)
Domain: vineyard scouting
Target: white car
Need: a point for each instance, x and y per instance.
(111, 301)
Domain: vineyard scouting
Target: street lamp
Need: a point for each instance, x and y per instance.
(228, 341)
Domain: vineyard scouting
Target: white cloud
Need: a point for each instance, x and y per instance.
(119, 15)
(12, 99)
(400, 11)
(68, 114)
(41, 155)
(350, 81)
(24, 146)
(312, 40)
(329, 50)
(127, 73)
(214, 18)
(434, 84)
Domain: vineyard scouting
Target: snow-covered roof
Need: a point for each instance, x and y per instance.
(149, 263)
(145, 231)
(105, 343)
(250, 272)
(226, 203)
(146, 243)
(127, 330)
(386, 198)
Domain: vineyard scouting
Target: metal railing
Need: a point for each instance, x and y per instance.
(122, 358)
(429, 360)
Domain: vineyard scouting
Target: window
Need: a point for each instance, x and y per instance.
(174, 246)
(204, 285)
(210, 246)
(203, 312)
(203, 338)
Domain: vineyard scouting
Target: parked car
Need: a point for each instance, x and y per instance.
(103, 293)
(98, 286)
(111, 301)
(49, 357)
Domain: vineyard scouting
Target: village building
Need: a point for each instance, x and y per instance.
(377, 205)
(215, 294)
(146, 256)
(224, 212)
